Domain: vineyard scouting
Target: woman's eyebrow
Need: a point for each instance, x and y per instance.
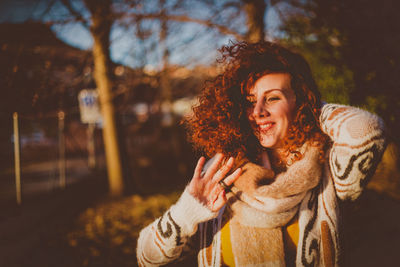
(268, 91)
(276, 89)
(273, 90)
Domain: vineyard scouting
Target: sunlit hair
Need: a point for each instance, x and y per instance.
(219, 122)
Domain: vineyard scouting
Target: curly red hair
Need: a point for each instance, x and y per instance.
(219, 122)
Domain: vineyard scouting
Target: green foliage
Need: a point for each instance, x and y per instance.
(106, 234)
(353, 49)
(334, 83)
(386, 179)
(376, 103)
(333, 77)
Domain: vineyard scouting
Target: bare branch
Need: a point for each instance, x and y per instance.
(183, 18)
(66, 21)
(78, 17)
(48, 8)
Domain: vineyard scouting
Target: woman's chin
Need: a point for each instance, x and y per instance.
(268, 143)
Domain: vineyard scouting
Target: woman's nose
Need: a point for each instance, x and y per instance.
(260, 110)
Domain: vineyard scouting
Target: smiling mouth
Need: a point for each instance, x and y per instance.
(266, 127)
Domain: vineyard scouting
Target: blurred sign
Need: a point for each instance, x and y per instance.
(89, 106)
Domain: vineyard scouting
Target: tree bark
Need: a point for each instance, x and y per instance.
(164, 81)
(255, 10)
(100, 29)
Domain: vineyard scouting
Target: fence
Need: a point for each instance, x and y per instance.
(54, 153)
(44, 154)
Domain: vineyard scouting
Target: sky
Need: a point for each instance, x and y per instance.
(190, 44)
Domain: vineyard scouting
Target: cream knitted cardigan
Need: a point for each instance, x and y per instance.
(188, 226)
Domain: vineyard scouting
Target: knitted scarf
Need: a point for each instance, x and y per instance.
(255, 201)
(260, 204)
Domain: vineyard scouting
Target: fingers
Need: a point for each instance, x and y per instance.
(217, 198)
(221, 199)
(219, 202)
(223, 170)
(233, 177)
(215, 165)
(199, 167)
(206, 187)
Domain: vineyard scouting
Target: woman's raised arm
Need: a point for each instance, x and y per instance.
(358, 144)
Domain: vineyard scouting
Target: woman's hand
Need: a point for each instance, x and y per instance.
(206, 187)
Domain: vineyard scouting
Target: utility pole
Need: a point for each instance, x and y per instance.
(61, 149)
(17, 159)
(91, 146)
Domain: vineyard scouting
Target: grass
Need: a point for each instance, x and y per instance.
(386, 179)
(105, 235)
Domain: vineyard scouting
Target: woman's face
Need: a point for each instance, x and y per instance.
(272, 108)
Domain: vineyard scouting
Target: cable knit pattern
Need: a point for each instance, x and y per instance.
(163, 240)
(358, 144)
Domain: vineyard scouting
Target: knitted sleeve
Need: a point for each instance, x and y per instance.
(164, 240)
(358, 144)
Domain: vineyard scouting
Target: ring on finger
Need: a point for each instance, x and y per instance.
(226, 187)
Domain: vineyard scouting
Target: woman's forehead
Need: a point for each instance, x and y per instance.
(271, 82)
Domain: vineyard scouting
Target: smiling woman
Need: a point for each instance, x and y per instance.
(271, 109)
(280, 163)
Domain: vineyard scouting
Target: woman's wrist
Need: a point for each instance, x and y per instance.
(188, 212)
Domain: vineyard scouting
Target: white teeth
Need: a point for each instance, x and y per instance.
(265, 126)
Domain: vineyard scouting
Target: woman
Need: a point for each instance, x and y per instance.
(280, 163)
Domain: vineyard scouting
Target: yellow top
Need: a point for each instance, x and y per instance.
(290, 236)
(226, 247)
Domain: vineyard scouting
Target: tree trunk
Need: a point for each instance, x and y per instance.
(255, 10)
(100, 29)
(165, 86)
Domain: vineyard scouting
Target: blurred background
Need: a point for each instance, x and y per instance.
(92, 147)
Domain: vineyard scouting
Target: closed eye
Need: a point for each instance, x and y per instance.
(274, 98)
